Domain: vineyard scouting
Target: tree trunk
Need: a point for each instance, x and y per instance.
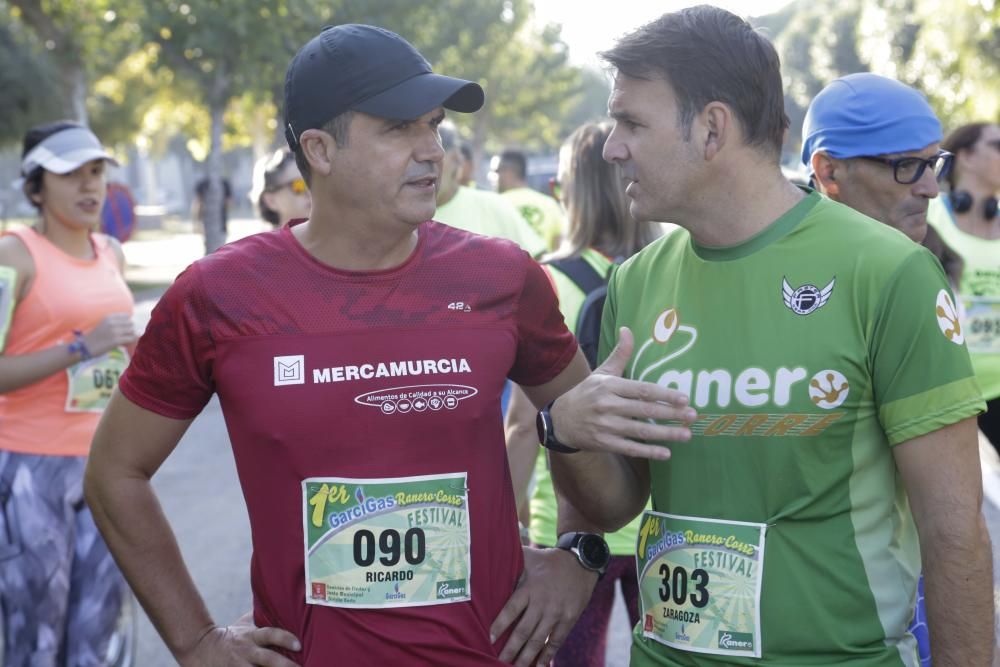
(480, 129)
(212, 204)
(76, 81)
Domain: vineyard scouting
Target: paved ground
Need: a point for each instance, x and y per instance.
(200, 492)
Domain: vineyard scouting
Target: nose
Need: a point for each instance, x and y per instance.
(430, 148)
(615, 150)
(92, 182)
(927, 185)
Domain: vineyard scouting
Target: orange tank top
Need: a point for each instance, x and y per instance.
(57, 415)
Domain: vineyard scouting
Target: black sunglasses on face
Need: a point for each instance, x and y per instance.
(908, 170)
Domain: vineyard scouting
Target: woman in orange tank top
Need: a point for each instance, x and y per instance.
(65, 335)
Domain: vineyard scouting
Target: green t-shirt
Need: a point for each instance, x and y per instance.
(809, 351)
(979, 292)
(489, 214)
(542, 212)
(543, 528)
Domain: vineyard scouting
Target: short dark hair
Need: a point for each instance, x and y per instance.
(33, 137)
(962, 138)
(707, 54)
(274, 166)
(515, 161)
(338, 127)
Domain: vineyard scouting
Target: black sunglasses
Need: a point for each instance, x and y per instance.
(908, 170)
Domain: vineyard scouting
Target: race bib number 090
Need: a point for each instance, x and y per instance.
(375, 543)
(700, 583)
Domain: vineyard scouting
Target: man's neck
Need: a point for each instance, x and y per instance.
(353, 244)
(744, 207)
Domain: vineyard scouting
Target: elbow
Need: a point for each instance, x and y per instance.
(91, 486)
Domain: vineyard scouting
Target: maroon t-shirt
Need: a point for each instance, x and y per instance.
(292, 347)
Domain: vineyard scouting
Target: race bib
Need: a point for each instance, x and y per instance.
(91, 382)
(982, 324)
(376, 543)
(700, 582)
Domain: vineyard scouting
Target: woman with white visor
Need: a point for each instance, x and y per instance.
(65, 336)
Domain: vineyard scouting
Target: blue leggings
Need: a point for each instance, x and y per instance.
(60, 591)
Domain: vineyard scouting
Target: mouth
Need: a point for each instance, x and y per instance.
(89, 205)
(425, 183)
(630, 186)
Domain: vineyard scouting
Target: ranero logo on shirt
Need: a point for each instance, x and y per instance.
(752, 387)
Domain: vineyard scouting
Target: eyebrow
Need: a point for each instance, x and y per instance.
(622, 116)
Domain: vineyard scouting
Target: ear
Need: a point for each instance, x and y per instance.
(825, 174)
(319, 149)
(36, 196)
(268, 199)
(717, 122)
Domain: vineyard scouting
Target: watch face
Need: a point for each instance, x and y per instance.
(540, 426)
(594, 551)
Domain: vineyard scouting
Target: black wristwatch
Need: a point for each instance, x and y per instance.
(589, 548)
(547, 434)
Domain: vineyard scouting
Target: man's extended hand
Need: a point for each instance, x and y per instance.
(241, 644)
(551, 594)
(607, 412)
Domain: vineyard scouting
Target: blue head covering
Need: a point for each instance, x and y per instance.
(867, 114)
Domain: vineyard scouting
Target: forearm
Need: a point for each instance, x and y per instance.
(132, 522)
(22, 370)
(570, 520)
(522, 445)
(958, 590)
(604, 488)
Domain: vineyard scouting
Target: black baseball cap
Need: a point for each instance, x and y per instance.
(355, 67)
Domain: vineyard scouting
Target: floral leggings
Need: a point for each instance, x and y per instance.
(60, 590)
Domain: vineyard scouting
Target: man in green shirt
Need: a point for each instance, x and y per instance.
(477, 211)
(790, 384)
(542, 212)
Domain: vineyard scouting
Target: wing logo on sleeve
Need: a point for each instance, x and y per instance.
(947, 318)
(807, 298)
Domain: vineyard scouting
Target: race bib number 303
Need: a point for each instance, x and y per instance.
(395, 542)
(700, 583)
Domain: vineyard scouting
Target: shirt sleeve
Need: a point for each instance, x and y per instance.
(171, 371)
(922, 375)
(544, 345)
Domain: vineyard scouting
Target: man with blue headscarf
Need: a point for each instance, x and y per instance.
(873, 144)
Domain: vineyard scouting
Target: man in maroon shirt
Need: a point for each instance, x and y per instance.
(359, 358)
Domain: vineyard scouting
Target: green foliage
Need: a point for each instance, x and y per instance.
(30, 83)
(948, 50)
